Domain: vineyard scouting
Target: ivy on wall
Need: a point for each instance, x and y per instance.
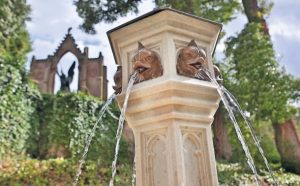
(63, 123)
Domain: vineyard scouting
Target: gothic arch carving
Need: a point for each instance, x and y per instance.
(156, 159)
(195, 157)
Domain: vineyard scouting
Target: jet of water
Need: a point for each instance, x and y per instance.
(112, 114)
(90, 137)
(233, 100)
(133, 177)
(120, 126)
(241, 138)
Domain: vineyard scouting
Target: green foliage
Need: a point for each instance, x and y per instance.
(265, 134)
(14, 37)
(253, 75)
(64, 122)
(36, 144)
(60, 126)
(59, 171)
(95, 11)
(72, 119)
(17, 96)
(220, 11)
(234, 174)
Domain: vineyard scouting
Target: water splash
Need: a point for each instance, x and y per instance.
(120, 126)
(235, 103)
(241, 138)
(90, 137)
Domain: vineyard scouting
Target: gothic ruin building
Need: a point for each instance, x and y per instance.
(92, 72)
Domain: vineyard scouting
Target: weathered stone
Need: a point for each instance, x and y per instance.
(118, 80)
(191, 60)
(147, 63)
(170, 115)
(92, 72)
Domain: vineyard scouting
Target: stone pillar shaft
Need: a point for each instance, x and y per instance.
(171, 121)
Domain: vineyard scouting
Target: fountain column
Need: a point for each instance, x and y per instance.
(170, 115)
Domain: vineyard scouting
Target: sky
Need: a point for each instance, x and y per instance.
(50, 20)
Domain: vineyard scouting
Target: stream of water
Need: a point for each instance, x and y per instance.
(240, 136)
(90, 137)
(229, 102)
(120, 127)
(133, 177)
(235, 103)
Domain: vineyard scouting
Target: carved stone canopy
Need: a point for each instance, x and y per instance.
(164, 31)
(92, 72)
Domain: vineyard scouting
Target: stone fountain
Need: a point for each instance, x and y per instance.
(169, 110)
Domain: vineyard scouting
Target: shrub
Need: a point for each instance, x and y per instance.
(65, 122)
(17, 97)
(58, 171)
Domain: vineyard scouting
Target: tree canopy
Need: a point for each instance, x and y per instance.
(95, 11)
(16, 93)
(254, 75)
(14, 37)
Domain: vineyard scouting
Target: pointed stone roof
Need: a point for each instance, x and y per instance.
(68, 42)
(172, 20)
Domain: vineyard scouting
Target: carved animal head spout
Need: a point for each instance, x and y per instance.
(147, 63)
(191, 61)
(118, 80)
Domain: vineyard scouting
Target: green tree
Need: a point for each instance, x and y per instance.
(220, 11)
(17, 104)
(95, 11)
(264, 89)
(16, 93)
(14, 37)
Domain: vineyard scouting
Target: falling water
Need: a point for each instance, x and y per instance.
(235, 124)
(233, 100)
(133, 177)
(120, 127)
(112, 114)
(90, 137)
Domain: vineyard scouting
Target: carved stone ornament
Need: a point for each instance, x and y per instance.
(147, 63)
(118, 80)
(191, 60)
(65, 81)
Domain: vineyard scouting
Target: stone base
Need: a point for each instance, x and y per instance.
(171, 120)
